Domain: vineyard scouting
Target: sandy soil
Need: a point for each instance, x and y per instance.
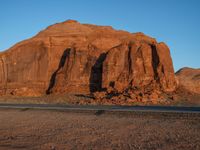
(56, 130)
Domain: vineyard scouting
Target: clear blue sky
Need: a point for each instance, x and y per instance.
(176, 22)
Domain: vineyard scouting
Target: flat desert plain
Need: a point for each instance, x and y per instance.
(29, 129)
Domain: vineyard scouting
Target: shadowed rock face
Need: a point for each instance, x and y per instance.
(70, 57)
(189, 79)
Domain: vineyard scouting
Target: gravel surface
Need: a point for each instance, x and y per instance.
(26, 129)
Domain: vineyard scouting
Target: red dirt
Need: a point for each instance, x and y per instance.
(51, 130)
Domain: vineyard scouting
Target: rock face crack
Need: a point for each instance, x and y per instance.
(155, 61)
(65, 55)
(96, 74)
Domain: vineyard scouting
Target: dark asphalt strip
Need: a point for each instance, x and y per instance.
(175, 109)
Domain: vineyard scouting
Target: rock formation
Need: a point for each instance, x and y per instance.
(189, 79)
(70, 57)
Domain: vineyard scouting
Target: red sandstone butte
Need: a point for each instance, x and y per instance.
(71, 57)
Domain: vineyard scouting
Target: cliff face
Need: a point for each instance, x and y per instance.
(70, 57)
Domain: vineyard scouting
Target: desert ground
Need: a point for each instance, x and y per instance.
(26, 129)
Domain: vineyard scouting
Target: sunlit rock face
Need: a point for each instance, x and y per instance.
(70, 57)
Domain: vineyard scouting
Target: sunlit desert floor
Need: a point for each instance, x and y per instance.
(57, 130)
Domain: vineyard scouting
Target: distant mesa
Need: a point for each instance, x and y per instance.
(71, 57)
(189, 79)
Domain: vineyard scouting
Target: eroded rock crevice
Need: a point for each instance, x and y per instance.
(96, 74)
(155, 61)
(52, 81)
